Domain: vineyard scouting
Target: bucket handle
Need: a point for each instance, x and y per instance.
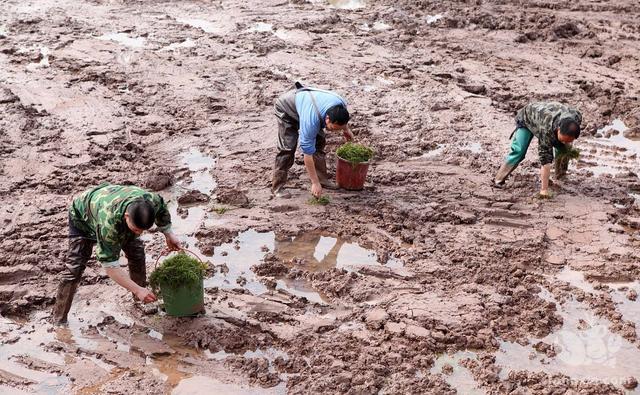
(166, 252)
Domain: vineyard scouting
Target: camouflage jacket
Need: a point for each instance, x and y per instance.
(542, 119)
(99, 214)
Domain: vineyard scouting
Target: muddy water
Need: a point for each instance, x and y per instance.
(309, 251)
(201, 385)
(347, 4)
(200, 166)
(459, 377)
(611, 154)
(585, 350)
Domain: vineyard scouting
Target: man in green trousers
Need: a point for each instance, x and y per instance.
(111, 217)
(554, 124)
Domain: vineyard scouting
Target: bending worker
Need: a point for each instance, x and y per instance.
(306, 112)
(112, 217)
(554, 124)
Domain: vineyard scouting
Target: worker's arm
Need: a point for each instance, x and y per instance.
(316, 188)
(119, 276)
(163, 222)
(545, 171)
(346, 132)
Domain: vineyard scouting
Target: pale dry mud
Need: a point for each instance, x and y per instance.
(453, 286)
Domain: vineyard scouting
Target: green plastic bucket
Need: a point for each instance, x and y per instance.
(183, 301)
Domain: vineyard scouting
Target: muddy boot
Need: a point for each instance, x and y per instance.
(277, 185)
(502, 174)
(64, 298)
(321, 170)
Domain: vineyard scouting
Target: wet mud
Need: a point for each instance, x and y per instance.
(427, 281)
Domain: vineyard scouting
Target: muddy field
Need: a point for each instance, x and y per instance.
(428, 281)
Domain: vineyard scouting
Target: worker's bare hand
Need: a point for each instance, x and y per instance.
(316, 190)
(348, 135)
(173, 244)
(544, 192)
(145, 295)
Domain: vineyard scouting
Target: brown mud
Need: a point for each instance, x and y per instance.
(427, 281)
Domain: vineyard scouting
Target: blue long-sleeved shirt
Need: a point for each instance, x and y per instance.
(310, 123)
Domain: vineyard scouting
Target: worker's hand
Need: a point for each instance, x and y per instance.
(173, 244)
(348, 135)
(145, 295)
(544, 192)
(316, 189)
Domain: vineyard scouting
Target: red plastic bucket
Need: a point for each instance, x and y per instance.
(351, 176)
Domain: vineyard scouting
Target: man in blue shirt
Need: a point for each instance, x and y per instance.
(304, 113)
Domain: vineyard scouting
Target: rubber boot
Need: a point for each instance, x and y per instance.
(320, 161)
(277, 185)
(502, 174)
(64, 298)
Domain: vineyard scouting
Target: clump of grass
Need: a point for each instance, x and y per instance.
(355, 153)
(569, 154)
(221, 210)
(177, 271)
(322, 201)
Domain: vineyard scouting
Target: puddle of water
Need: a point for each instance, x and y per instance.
(575, 278)
(302, 289)
(124, 39)
(44, 60)
(434, 152)
(476, 148)
(261, 27)
(630, 309)
(433, 18)
(347, 4)
(379, 25)
(460, 378)
(198, 385)
(32, 336)
(200, 166)
(220, 27)
(585, 350)
(188, 43)
(3, 32)
(608, 159)
(316, 252)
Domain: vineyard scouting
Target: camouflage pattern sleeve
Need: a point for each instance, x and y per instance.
(108, 246)
(163, 217)
(545, 151)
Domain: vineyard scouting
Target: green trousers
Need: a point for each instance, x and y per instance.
(519, 145)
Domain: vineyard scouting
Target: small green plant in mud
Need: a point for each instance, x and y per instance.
(179, 270)
(321, 201)
(221, 210)
(355, 153)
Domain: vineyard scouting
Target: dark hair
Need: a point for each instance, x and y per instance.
(338, 114)
(141, 213)
(569, 127)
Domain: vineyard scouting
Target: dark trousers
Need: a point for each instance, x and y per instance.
(79, 253)
(287, 144)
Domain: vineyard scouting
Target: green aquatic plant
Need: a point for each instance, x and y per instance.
(322, 201)
(221, 210)
(179, 270)
(355, 153)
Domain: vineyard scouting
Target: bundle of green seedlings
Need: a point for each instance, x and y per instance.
(177, 271)
(322, 201)
(562, 161)
(355, 153)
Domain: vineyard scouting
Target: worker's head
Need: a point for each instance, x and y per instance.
(337, 118)
(139, 216)
(568, 130)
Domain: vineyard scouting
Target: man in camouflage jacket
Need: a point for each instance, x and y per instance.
(112, 217)
(554, 124)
